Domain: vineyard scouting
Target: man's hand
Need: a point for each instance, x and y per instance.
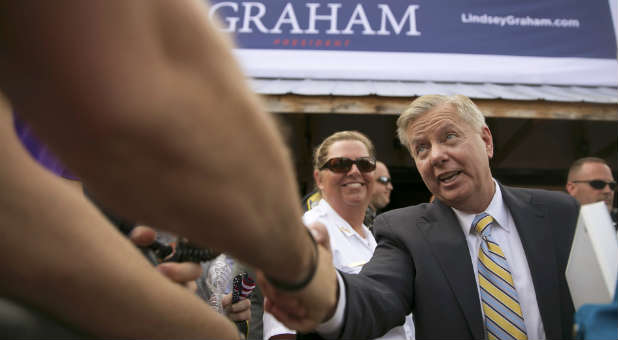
(305, 309)
(184, 273)
(239, 311)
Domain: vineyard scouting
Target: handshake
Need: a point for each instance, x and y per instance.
(304, 306)
(301, 308)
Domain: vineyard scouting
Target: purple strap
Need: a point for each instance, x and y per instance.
(39, 151)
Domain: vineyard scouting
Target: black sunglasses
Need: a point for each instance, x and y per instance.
(344, 164)
(383, 179)
(599, 184)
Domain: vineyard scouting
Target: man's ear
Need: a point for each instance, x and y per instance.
(488, 141)
(571, 188)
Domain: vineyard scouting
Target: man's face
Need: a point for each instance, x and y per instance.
(381, 192)
(346, 190)
(453, 158)
(580, 188)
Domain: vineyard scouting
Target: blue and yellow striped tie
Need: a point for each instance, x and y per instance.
(503, 316)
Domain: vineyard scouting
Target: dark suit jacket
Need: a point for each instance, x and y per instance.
(422, 265)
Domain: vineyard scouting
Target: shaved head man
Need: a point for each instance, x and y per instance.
(381, 194)
(382, 191)
(590, 180)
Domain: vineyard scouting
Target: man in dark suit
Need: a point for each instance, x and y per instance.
(432, 259)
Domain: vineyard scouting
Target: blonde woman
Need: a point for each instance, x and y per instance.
(343, 169)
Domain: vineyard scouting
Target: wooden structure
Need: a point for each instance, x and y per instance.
(394, 105)
(535, 140)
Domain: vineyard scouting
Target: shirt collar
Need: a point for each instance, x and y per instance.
(341, 224)
(496, 209)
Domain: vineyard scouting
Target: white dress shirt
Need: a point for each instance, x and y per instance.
(350, 252)
(507, 237)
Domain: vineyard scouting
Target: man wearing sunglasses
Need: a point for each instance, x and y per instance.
(591, 180)
(381, 195)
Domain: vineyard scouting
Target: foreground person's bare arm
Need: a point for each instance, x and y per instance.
(62, 257)
(144, 101)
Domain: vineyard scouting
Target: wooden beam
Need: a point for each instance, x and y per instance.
(394, 105)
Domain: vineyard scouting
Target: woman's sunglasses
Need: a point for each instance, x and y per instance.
(344, 164)
(599, 184)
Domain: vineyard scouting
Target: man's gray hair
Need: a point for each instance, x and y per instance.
(466, 109)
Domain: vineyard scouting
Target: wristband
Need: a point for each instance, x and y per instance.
(291, 287)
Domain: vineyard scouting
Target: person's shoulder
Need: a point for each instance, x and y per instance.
(543, 196)
(311, 200)
(399, 223)
(552, 202)
(320, 213)
(314, 214)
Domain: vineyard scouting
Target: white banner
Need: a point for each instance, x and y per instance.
(502, 41)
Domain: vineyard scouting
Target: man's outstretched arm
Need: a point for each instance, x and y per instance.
(143, 100)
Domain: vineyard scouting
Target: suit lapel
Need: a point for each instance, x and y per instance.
(442, 230)
(534, 231)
